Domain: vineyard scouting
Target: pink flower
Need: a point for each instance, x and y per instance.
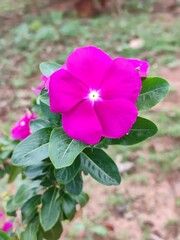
(7, 226)
(1, 215)
(44, 84)
(95, 94)
(141, 66)
(21, 129)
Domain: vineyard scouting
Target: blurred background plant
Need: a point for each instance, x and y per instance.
(36, 31)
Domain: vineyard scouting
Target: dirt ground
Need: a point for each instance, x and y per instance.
(150, 207)
(150, 210)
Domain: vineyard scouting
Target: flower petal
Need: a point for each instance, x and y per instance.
(37, 90)
(1, 214)
(141, 66)
(7, 226)
(116, 117)
(89, 64)
(65, 91)
(45, 79)
(21, 129)
(81, 123)
(121, 81)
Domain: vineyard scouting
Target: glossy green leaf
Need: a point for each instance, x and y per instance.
(54, 118)
(38, 124)
(4, 236)
(5, 154)
(76, 185)
(36, 171)
(14, 172)
(31, 230)
(100, 166)
(44, 98)
(29, 209)
(24, 192)
(141, 130)
(33, 149)
(154, 89)
(7, 167)
(65, 175)
(47, 68)
(54, 233)
(50, 209)
(68, 206)
(62, 149)
(11, 206)
(2, 172)
(82, 199)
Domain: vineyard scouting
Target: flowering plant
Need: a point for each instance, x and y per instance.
(85, 105)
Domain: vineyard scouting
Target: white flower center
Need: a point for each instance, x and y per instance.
(22, 123)
(93, 95)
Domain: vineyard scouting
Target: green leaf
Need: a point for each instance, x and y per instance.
(14, 172)
(76, 185)
(5, 155)
(68, 206)
(50, 209)
(47, 68)
(82, 199)
(7, 167)
(22, 195)
(38, 124)
(54, 233)
(33, 149)
(45, 98)
(4, 236)
(65, 175)
(62, 149)
(36, 171)
(154, 89)
(140, 131)
(31, 231)
(29, 209)
(100, 166)
(2, 172)
(50, 116)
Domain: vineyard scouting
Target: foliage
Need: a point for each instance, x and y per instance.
(53, 164)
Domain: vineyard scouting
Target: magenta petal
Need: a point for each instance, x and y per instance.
(37, 90)
(1, 214)
(45, 79)
(81, 123)
(116, 117)
(21, 129)
(65, 91)
(7, 226)
(89, 64)
(140, 65)
(121, 81)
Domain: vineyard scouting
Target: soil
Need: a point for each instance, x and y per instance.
(150, 207)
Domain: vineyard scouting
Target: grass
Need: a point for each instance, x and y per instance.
(53, 36)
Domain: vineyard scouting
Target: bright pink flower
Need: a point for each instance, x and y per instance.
(21, 129)
(7, 226)
(141, 66)
(44, 84)
(45, 79)
(95, 94)
(1, 215)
